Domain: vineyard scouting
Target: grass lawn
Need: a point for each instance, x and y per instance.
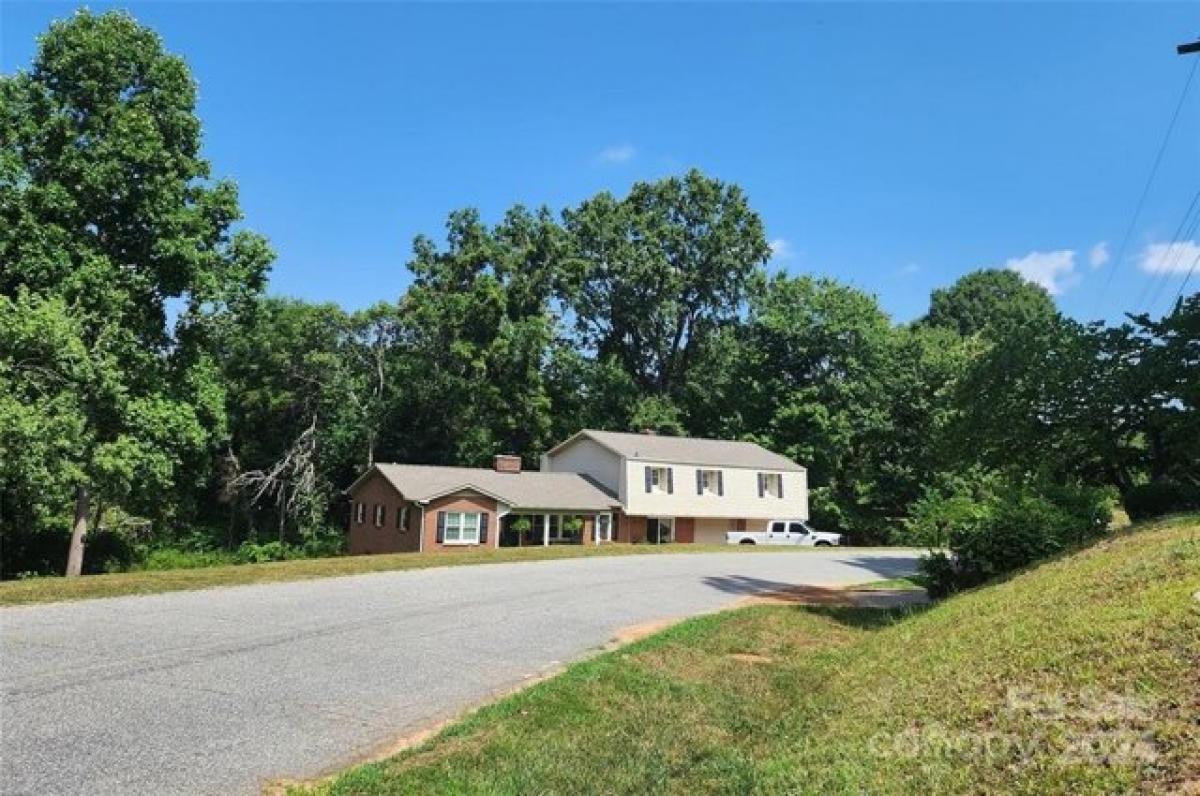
(914, 583)
(41, 590)
(1078, 676)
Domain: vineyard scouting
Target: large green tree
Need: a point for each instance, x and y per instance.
(108, 215)
(476, 327)
(991, 298)
(660, 271)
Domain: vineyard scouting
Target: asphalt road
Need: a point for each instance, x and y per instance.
(221, 691)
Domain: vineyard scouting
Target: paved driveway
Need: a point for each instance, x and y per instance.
(219, 691)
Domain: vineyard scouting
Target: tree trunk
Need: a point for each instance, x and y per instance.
(75, 553)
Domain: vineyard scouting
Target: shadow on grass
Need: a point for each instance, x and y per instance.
(864, 618)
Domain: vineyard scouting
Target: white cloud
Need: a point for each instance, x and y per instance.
(781, 249)
(1167, 258)
(1054, 271)
(1099, 255)
(909, 269)
(621, 153)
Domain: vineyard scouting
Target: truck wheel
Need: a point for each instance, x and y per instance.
(822, 544)
(746, 541)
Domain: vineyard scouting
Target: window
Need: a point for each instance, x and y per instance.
(380, 514)
(402, 519)
(770, 484)
(360, 513)
(797, 528)
(709, 482)
(462, 527)
(658, 479)
(660, 530)
(779, 527)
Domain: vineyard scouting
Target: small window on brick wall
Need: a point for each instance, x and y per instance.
(360, 513)
(380, 514)
(402, 519)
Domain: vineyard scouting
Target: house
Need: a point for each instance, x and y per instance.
(594, 488)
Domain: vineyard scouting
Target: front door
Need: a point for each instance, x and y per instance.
(660, 530)
(603, 528)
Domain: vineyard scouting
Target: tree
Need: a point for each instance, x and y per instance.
(106, 208)
(660, 271)
(477, 324)
(990, 298)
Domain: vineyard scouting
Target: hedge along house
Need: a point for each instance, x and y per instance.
(410, 508)
(596, 487)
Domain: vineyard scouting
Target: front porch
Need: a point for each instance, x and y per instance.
(542, 529)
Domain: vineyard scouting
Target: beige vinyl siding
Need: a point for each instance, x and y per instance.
(740, 500)
(589, 458)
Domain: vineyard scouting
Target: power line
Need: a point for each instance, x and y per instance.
(1182, 285)
(1184, 232)
(1137, 211)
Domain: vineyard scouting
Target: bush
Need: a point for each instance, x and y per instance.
(1160, 497)
(934, 516)
(251, 553)
(324, 543)
(1012, 527)
(939, 573)
(161, 558)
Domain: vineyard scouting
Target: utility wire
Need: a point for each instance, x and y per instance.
(1184, 233)
(1192, 270)
(1137, 211)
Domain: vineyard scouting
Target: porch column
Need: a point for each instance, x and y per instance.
(545, 530)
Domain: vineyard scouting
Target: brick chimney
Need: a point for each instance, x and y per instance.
(507, 463)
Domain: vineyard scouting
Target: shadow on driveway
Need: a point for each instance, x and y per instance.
(885, 567)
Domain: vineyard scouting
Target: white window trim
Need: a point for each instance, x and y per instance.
(379, 515)
(658, 480)
(360, 513)
(463, 527)
(710, 488)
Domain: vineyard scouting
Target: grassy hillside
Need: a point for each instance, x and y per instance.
(1081, 675)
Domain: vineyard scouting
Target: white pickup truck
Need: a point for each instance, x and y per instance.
(797, 532)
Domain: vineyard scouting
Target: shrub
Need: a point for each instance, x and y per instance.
(939, 573)
(1012, 527)
(251, 553)
(1160, 497)
(161, 558)
(324, 543)
(935, 515)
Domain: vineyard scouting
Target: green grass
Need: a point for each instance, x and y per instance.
(914, 583)
(1081, 675)
(53, 589)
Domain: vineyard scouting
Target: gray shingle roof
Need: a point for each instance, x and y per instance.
(691, 450)
(525, 490)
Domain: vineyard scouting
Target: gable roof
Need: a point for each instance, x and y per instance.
(528, 489)
(686, 450)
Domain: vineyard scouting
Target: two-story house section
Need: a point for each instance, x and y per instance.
(684, 489)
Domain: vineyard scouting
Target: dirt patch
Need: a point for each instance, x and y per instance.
(749, 657)
(839, 597)
(632, 633)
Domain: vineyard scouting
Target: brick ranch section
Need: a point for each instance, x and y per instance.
(405, 526)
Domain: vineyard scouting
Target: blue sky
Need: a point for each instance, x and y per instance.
(892, 146)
